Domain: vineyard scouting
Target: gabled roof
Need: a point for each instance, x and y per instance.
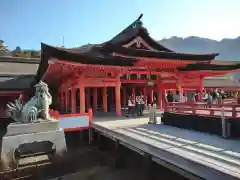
(101, 54)
(96, 52)
(156, 54)
(131, 32)
(75, 55)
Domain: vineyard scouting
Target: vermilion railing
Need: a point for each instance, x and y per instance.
(228, 110)
(73, 122)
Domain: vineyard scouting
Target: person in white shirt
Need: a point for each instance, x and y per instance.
(142, 104)
(205, 97)
(131, 105)
(138, 106)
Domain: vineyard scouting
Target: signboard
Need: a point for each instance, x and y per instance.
(150, 83)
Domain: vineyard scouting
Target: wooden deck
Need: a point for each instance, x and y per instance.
(201, 155)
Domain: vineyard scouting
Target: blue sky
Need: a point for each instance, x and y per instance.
(26, 23)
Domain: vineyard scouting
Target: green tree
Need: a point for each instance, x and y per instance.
(3, 47)
(17, 52)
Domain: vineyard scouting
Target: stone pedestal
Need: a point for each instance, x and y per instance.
(33, 136)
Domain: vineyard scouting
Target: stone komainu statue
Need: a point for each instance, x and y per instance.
(37, 107)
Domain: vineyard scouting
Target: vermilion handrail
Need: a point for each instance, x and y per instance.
(56, 115)
(184, 107)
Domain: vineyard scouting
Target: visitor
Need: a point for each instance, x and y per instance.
(209, 100)
(184, 99)
(196, 96)
(142, 103)
(215, 96)
(205, 97)
(152, 112)
(177, 96)
(238, 97)
(170, 96)
(131, 105)
(138, 105)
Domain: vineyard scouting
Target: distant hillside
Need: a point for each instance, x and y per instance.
(229, 49)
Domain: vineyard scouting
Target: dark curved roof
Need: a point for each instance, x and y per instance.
(100, 54)
(92, 57)
(210, 67)
(156, 54)
(75, 55)
(21, 82)
(131, 32)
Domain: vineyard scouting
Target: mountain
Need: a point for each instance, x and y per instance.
(229, 49)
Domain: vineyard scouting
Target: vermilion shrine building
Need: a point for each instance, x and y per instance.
(106, 74)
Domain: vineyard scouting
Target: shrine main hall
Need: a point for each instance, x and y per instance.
(103, 76)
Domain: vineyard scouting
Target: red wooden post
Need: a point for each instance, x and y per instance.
(201, 88)
(62, 100)
(124, 96)
(234, 112)
(145, 94)
(66, 100)
(151, 95)
(104, 99)
(160, 93)
(211, 112)
(95, 96)
(133, 93)
(118, 96)
(73, 100)
(193, 109)
(82, 98)
(88, 97)
(90, 115)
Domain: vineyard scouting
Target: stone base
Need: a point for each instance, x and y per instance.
(33, 134)
(28, 128)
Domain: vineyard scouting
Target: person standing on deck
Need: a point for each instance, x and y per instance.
(170, 96)
(210, 100)
(130, 110)
(238, 97)
(138, 105)
(184, 99)
(215, 96)
(152, 112)
(142, 103)
(177, 96)
(205, 97)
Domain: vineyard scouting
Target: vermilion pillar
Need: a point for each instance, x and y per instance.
(95, 97)
(145, 94)
(160, 93)
(201, 88)
(73, 100)
(62, 100)
(104, 99)
(133, 93)
(151, 94)
(124, 96)
(66, 100)
(88, 97)
(118, 96)
(82, 98)
(179, 88)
